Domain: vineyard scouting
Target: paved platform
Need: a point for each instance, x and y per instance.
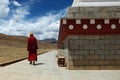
(46, 69)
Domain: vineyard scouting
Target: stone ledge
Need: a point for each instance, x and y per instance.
(94, 12)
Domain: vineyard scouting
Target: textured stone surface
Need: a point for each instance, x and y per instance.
(94, 51)
(94, 12)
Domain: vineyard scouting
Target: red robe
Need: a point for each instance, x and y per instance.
(32, 48)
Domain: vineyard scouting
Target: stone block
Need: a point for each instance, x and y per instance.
(76, 67)
(71, 47)
(73, 9)
(81, 52)
(110, 37)
(92, 62)
(83, 15)
(111, 57)
(102, 41)
(75, 63)
(81, 47)
(89, 37)
(91, 9)
(81, 37)
(71, 67)
(113, 8)
(91, 41)
(77, 52)
(102, 57)
(71, 15)
(112, 15)
(102, 52)
(113, 62)
(92, 67)
(117, 52)
(101, 47)
(102, 62)
(102, 37)
(110, 67)
(81, 41)
(91, 52)
(83, 62)
(91, 47)
(74, 57)
(92, 57)
(73, 37)
(70, 41)
(82, 9)
(77, 14)
(103, 15)
(113, 41)
(81, 68)
(113, 47)
(117, 14)
(112, 52)
(117, 42)
(81, 57)
(71, 52)
(118, 62)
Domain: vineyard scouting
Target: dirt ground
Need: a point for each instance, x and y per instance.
(9, 54)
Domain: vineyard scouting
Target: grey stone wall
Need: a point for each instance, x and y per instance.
(94, 12)
(93, 51)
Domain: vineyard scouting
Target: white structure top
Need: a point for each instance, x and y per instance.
(81, 3)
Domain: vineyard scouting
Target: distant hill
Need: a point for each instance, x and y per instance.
(21, 41)
(50, 40)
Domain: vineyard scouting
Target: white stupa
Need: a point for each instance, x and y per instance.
(96, 3)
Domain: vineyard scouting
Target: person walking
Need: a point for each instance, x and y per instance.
(32, 47)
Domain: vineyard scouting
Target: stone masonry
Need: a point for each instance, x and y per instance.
(94, 12)
(94, 52)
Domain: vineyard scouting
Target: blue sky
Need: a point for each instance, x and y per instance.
(41, 7)
(20, 17)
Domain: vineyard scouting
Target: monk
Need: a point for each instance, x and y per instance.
(32, 49)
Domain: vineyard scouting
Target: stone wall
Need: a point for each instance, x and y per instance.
(93, 51)
(94, 12)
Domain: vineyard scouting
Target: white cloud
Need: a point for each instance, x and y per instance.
(16, 3)
(20, 13)
(4, 9)
(46, 26)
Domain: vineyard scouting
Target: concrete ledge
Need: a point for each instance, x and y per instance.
(8, 63)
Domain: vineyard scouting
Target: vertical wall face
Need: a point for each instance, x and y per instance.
(91, 43)
(94, 51)
(91, 34)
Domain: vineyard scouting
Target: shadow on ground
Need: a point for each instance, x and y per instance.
(39, 64)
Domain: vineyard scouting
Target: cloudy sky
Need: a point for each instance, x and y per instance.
(42, 17)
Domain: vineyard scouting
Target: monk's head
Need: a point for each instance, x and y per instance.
(31, 34)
